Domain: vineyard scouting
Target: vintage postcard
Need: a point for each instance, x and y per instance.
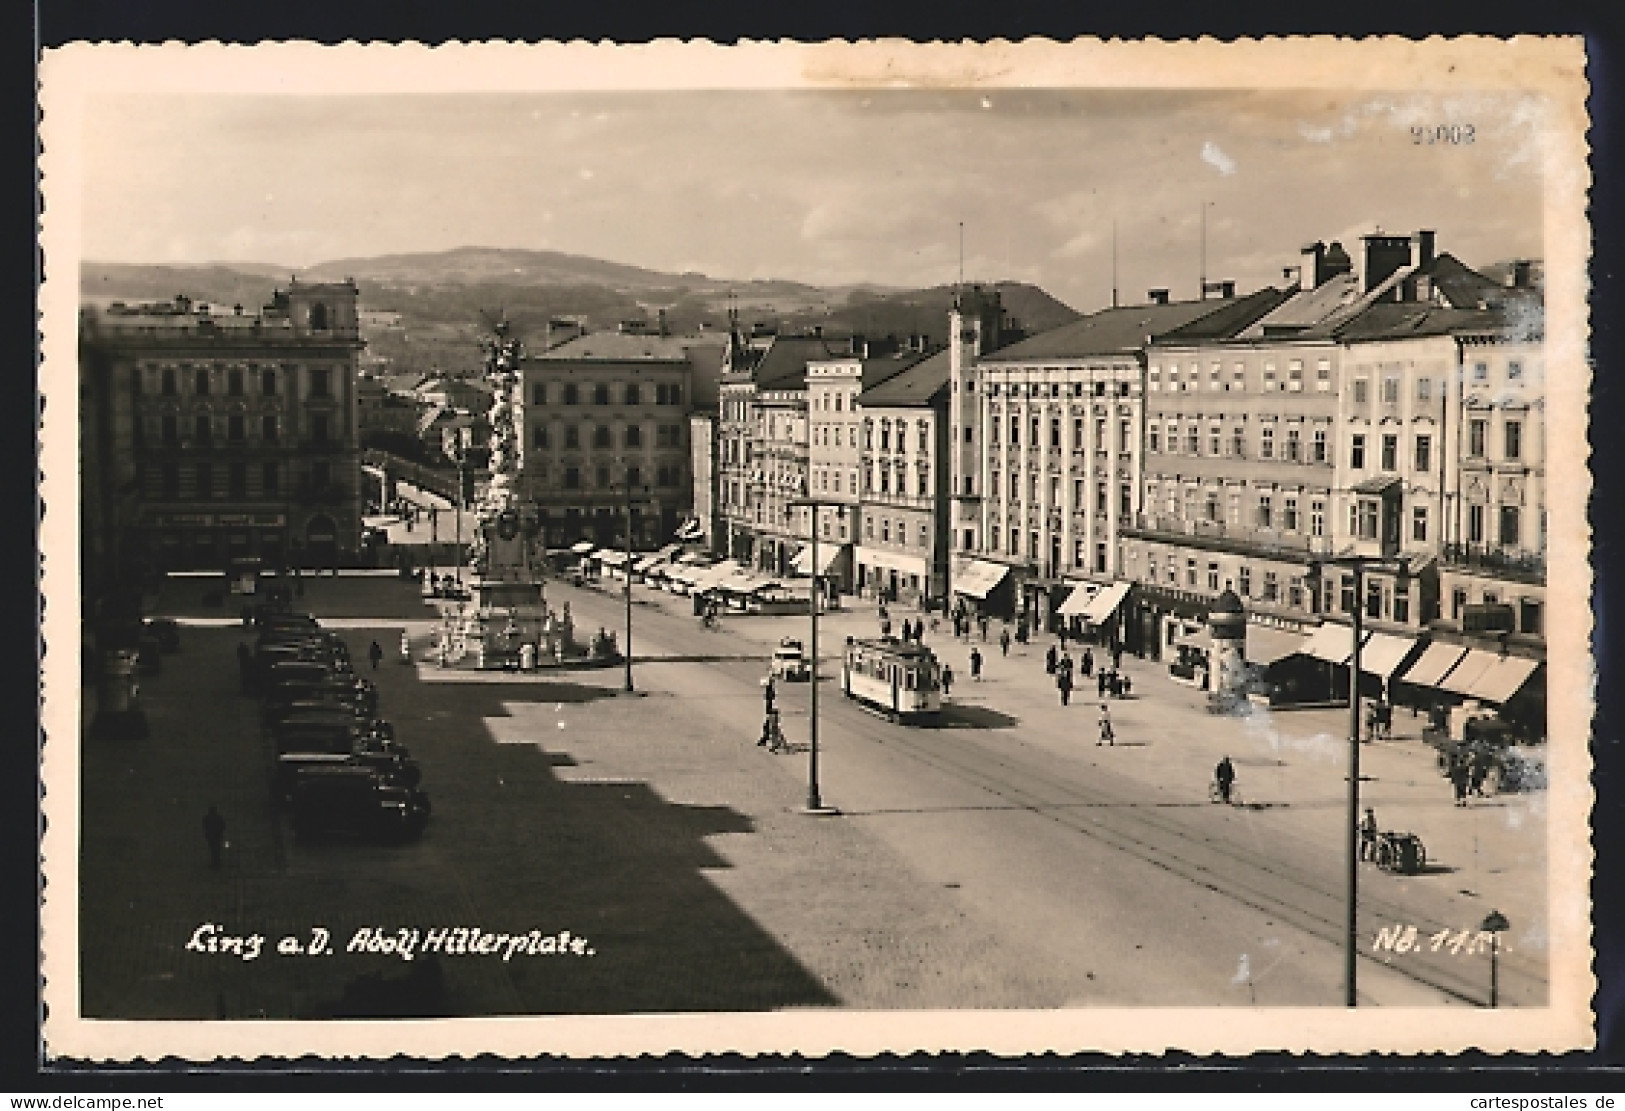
(592, 550)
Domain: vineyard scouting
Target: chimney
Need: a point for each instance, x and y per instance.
(1384, 256)
(1520, 273)
(1157, 296)
(1313, 270)
(1227, 289)
(1425, 249)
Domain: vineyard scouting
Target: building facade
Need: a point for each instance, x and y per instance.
(226, 436)
(903, 550)
(601, 413)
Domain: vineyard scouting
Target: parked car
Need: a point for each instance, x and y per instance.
(790, 662)
(357, 801)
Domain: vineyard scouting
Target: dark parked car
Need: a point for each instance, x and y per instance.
(357, 801)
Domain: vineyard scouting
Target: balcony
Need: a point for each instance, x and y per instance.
(1519, 566)
(1220, 536)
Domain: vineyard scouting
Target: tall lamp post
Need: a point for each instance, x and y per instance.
(1494, 923)
(1351, 831)
(815, 802)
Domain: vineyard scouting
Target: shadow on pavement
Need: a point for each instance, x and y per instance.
(510, 849)
(958, 715)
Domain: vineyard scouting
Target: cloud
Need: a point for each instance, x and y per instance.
(1315, 134)
(1213, 156)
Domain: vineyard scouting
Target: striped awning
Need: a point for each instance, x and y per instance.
(1382, 654)
(979, 578)
(1469, 671)
(1505, 679)
(1332, 643)
(1105, 603)
(1434, 664)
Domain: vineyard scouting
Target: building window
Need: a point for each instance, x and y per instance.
(1244, 582)
(572, 395)
(634, 396)
(1294, 590)
(234, 428)
(318, 381)
(1154, 438)
(538, 394)
(1234, 515)
(1481, 372)
(1476, 436)
(1419, 523)
(270, 479)
(1190, 572)
(1294, 375)
(1294, 445)
(1390, 453)
(602, 478)
(1318, 446)
(1289, 514)
(1529, 617)
(234, 382)
(1475, 524)
(1402, 600)
(885, 530)
(1346, 594)
(1266, 511)
(1373, 598)
(1323, 376)
(868, 528)
(167, 381)
(1359, 391)
(572, 436)
(1238, 443)
(634, 435)
(1266, 443)
(1215, 439)
(1424, 453)
(1514, 371)
(1390, 390)
(1513, 434)
(1238, 377)
(1193, 440)
(1357, 453)
(1424, 389)
(538, 436)
(600, 437)
(1269, 377)
(572, 478)
(1272, 587)
(1509, 526)
(1213, 577)
(202, 430)
(600, 394)
(1368, 519)
(200, 381)
(1317, 518)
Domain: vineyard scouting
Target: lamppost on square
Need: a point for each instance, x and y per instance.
(1494, 924)
(815, 802)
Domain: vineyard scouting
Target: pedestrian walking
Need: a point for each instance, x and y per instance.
(1062, 633)
(1088, 662)
(1368, 835)
(1107, 737)
(975, 665)
(1063, 683)
(1004, 640)
(375, 653)
(769, 694)
(214, 832)
(1100, 682)
(947, 680)
(1065, 664)
(1224, 778)
(983, 622)
(1051, 655)
(1458, 779)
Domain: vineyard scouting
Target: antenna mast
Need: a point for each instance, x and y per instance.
(1114, 263)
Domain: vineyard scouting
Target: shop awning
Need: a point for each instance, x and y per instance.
(979, 578)
(827, 555)
(1105, 603)
(654, 558)
(1469, 672)
(1078, 600)
(1332, 643)
(1505, 679)
(1434, 664)
(1266, 645)
(610, 557)
(1382, 654)
(1378, 484)
(582, 548)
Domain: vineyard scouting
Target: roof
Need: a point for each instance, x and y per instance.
(1415, 318)
(922, 380)
(1231, 315)
(1378, 484)
(623, 345)
(1123, 330)
(1307, 307)
(784, 363)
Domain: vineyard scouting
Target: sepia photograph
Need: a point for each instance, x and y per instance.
(794, 548)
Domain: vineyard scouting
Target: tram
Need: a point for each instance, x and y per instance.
(901, 681)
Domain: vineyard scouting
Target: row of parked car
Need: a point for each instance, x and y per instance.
(339, 768)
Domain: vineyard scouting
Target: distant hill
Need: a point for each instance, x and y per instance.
(442, 295)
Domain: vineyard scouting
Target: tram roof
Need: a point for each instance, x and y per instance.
(894, 647)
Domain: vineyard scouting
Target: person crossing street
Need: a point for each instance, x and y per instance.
(975, 665)
(1107, 735)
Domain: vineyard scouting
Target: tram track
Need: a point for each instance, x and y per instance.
(1232, 871)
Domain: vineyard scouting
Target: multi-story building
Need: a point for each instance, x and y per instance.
(603, 412)
(903, 550)
(1062, 416)
(380, 409)
(223, 436)
(762, 432)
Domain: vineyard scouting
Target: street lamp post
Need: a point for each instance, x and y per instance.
(1351, 833)
(626, 573)
(1493, 924)
(815, 802)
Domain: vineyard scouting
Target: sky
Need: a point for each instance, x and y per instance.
(828, 188)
